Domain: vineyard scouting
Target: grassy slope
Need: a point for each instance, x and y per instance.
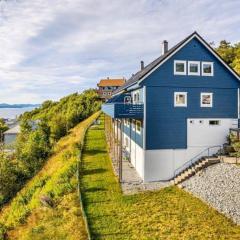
(25, 218)
(166, 214)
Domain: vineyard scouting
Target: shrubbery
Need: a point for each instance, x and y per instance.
(40, 130)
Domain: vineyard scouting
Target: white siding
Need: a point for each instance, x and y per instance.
(161, 164)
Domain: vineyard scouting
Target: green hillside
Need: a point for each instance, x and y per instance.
(27, 217)
(40, 130)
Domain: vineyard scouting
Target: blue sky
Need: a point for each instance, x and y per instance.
(53, 48)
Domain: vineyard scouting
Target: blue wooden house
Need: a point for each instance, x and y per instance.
(176, 108)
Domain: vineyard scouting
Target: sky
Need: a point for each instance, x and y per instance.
(51, 48)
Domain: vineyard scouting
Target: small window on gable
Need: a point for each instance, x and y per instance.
(180, 67)
(214, 122)
(193, 68)
(207, 68)
(206, 99)
(138, 127)
(180, 99)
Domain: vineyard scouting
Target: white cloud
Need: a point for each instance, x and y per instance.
(52, 48)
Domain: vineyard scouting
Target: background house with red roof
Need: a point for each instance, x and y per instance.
(108, 85)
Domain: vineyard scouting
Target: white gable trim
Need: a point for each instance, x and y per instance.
(180, 47)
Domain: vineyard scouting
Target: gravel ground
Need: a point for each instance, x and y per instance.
(131, 181)
(219, 186)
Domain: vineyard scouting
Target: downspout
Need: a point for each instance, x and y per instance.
(238, 110)
(144, 129)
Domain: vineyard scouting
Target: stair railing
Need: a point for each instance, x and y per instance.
(196, 158)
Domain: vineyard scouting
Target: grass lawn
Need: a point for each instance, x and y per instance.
(170, 213)
(25, 218)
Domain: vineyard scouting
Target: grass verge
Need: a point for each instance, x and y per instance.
(27, 218)
(170, 213)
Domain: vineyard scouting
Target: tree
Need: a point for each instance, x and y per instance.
(3, 128)
(226, 51)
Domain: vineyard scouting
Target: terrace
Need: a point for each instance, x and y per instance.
(123, 110)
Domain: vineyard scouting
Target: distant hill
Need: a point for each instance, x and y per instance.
(6, 105)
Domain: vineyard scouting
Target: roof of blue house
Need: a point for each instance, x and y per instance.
(140, 75)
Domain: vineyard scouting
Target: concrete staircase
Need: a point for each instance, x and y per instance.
(202, 163)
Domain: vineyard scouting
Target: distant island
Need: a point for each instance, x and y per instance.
(6, 105)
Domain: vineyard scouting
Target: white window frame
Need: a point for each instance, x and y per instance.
(185, 67)
(207, 74)
(193, 73)
(136, 97)
(206, 105)
(138, 122)
(177, 104)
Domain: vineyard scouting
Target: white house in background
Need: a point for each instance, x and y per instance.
(11, 134)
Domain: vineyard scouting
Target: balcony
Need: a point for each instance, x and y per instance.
(123, 110)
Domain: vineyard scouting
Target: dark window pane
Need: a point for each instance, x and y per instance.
(193, 68)
(180, 67)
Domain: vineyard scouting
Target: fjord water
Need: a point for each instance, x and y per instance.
(13, 112)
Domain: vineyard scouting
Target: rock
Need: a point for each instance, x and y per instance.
(219, 186)
(46, 201)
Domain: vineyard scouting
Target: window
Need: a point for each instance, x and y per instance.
(138, 127)
(136, 97)
(133, 125)
(180, 99)
(207, 69)
(214, 122)
(192, 121)
(179, 67)
(201, 121)
(104, 93)
(193, 68)
(126, 141)
(206, 100)
(109, 93)
(126, 122)
(127, 99)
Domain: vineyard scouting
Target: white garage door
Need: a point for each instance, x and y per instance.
(208, 132)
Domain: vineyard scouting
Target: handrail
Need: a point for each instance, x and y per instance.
(195, 159)
(139, 103)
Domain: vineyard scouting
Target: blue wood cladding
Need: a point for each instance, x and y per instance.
(166, 125)
(121, 110)
(133, 134)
